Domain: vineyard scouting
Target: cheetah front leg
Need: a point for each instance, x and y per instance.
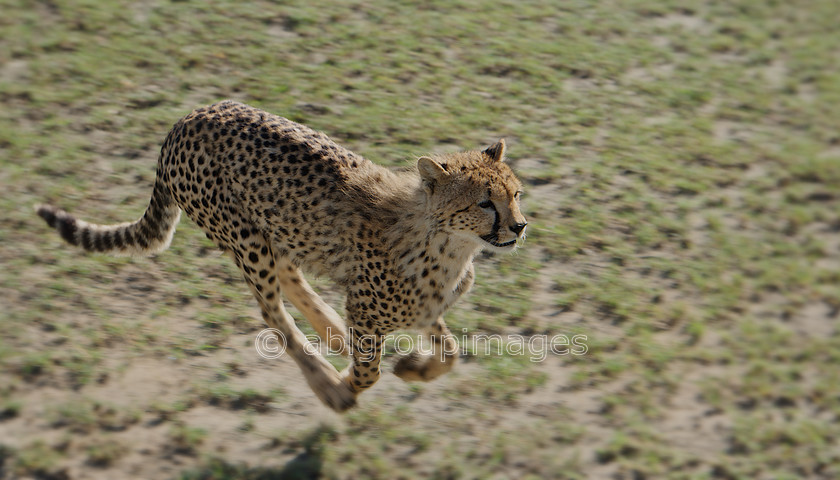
(428, 365)
(366, 354)
(326, 321)
(257, 261)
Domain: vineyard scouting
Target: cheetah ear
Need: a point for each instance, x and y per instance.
(431, 171)
(496, 152)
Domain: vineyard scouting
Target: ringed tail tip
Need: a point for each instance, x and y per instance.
(60, 220)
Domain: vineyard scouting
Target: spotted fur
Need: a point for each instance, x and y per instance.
(280, 197)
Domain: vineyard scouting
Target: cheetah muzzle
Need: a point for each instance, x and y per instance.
(282, 199)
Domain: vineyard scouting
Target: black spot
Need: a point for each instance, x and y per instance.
(67, 228)
(119, 240)
(107, 240)
(86, 240)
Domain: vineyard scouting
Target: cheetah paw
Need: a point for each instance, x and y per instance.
(412, 368)
(339, 397)
(335, 392)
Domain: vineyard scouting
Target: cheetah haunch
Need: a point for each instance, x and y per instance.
(280, 197)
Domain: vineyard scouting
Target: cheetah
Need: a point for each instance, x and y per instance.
(283, 199)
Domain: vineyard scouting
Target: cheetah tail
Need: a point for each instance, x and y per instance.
(150, 234)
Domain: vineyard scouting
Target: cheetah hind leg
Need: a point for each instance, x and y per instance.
(330, 386)
(433, 362)
(326, 321)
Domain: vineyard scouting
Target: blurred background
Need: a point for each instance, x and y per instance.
(682, 171)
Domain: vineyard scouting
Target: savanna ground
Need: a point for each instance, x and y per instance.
(682, 171)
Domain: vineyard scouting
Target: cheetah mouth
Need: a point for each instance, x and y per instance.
(494, 240)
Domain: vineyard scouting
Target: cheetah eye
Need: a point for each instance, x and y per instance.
(486, 204)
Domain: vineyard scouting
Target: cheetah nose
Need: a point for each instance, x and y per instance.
(517, 229)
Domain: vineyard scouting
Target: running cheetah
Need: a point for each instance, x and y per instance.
(281, 197)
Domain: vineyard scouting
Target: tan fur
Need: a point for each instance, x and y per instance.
(281, 198)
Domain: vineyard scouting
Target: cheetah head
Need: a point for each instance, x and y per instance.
(475, 195)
